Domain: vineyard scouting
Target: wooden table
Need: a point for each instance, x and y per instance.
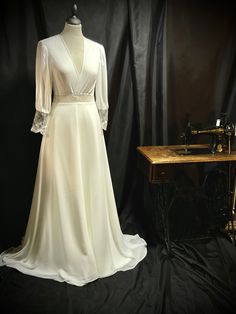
(158, 163)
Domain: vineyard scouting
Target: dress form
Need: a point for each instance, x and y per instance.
(73, 233)
(73, 19)
(74, 40)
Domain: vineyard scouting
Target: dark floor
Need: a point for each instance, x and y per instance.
(200, 277)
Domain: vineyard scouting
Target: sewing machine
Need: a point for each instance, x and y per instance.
(159, 164)
(222, 135)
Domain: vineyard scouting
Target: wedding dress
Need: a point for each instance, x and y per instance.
(73, 232)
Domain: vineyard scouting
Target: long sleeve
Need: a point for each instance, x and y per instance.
(43, 94)
(101, 92)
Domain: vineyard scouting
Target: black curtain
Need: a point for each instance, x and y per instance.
(201, 64)
(167, 60)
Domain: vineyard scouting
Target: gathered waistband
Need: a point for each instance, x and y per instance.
(73, 98)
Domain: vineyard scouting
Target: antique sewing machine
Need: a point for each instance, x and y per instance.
(217, 163)
(222, 135)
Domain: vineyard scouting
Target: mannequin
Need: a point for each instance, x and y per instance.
(74, 41)
(73, 38)
(73, 232)
(74, 20)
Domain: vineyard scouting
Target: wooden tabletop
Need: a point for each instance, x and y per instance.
(175, 154)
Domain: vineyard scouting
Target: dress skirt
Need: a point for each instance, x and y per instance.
(73, 232)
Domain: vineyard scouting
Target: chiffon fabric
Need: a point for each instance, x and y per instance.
(73, 232)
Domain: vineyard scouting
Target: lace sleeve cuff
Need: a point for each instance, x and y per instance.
(103, 117)
(40, 122)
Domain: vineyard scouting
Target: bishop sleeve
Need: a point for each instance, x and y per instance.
(43, 93)
(101, 92)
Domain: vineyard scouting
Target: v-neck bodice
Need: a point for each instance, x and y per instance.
(56, 74)
(79, 72)
(64, 76)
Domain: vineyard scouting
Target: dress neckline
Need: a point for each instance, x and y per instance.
(78, 73)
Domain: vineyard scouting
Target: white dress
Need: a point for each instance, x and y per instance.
(73, 232)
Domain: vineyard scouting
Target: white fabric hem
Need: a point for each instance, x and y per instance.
(80, 283)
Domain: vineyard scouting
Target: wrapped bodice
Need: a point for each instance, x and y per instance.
(57, 73)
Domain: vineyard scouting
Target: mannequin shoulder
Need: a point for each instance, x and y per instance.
(95, 45)
(48, 42)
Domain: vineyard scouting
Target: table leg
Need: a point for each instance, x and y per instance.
(232, 196)
(162, 203)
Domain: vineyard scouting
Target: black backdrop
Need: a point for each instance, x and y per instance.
(166, 60)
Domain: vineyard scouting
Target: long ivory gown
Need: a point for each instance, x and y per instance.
(73, 232)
